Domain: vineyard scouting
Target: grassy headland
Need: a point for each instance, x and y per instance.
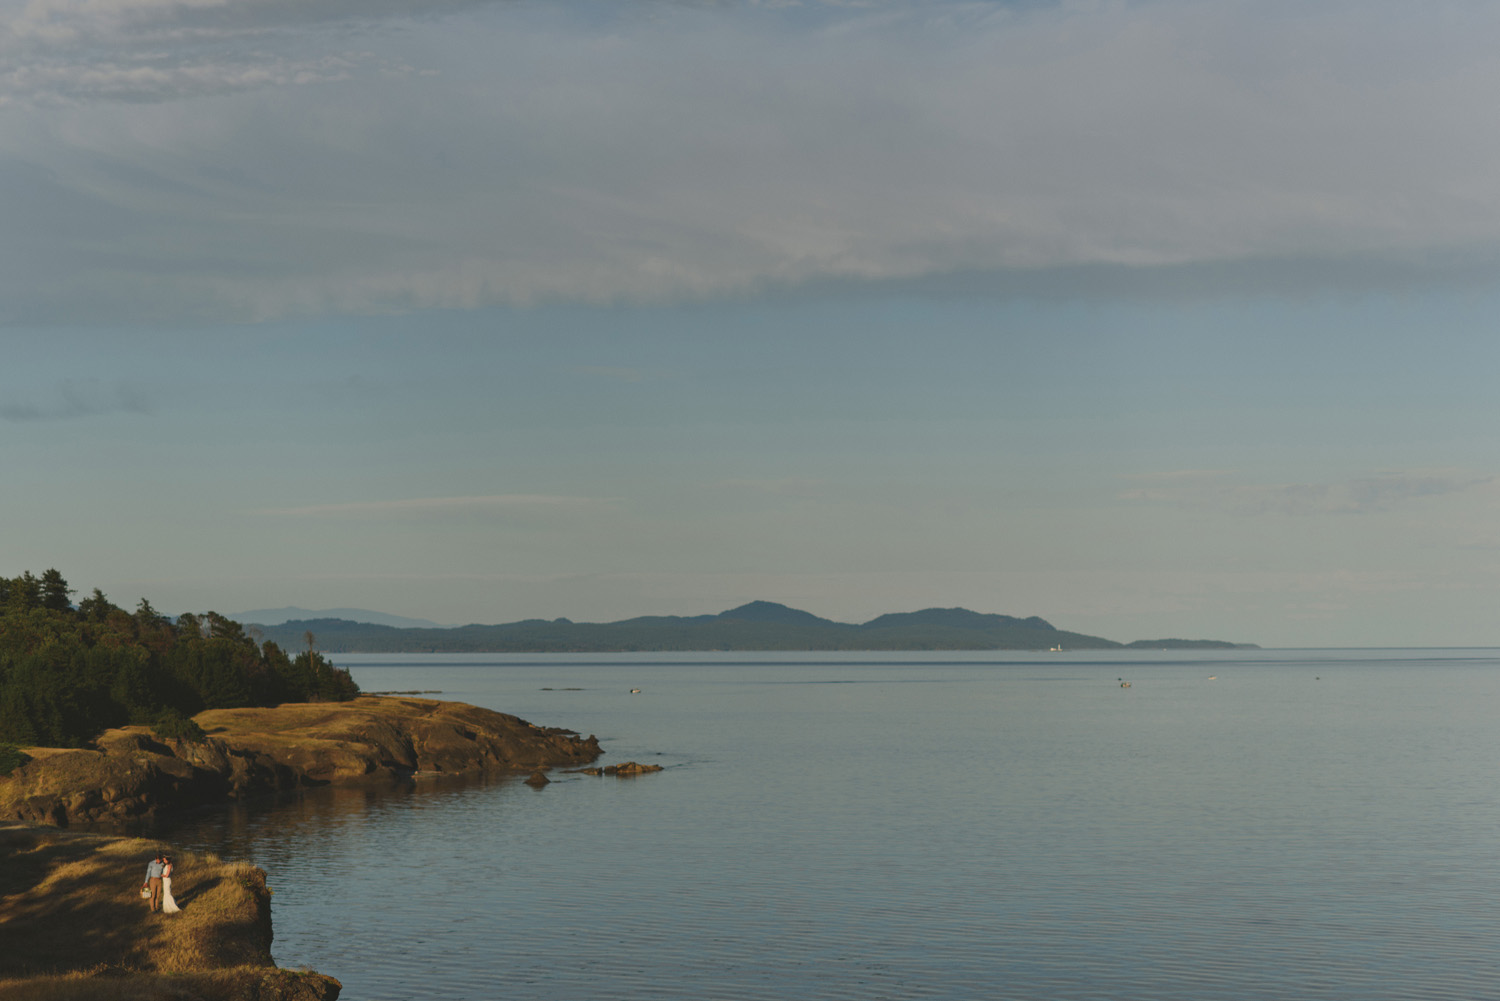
(75, 928)
(110, 717)
(131, 774)
(72, 924)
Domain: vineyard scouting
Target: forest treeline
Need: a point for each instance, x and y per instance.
(67, 672)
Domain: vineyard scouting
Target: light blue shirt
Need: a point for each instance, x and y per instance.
(154, 870)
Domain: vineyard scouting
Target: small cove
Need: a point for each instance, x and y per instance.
(1309, 823)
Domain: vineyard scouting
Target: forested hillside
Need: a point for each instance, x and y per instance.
(68, 672)
(759, 625)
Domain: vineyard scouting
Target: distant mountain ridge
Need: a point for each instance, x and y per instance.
(955, 618)
(277, 616)
(770, 611)
(757, 625)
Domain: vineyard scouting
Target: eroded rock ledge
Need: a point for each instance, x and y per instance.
(131, 775)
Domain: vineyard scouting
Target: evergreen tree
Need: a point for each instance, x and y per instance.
(55, 591)
(96, 607)
(67, 674)
(24, 593)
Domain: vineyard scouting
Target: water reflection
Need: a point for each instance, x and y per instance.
(1015, 830)
(327, 816)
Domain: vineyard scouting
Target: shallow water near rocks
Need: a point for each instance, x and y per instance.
(1307, 824)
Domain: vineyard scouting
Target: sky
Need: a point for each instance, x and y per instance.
(1154, 318)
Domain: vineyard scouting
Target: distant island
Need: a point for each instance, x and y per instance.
(276, 616)
(757, 626)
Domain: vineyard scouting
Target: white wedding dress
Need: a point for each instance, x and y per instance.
(168, 905)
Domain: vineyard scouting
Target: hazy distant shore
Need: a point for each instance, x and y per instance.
(757, 626)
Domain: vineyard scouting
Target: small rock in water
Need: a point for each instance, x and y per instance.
(630, 768)
(538, 779)
(624, 769)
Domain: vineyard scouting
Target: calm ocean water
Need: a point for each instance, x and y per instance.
(1308, 824)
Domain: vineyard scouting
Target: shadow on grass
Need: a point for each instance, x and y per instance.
(92, 915)
(71, 902)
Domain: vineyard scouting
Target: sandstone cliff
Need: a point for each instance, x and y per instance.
(131, 775)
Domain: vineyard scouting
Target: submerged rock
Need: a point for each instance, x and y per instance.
(624, 769)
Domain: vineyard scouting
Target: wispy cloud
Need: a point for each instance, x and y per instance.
(77, 52)
(1360, 495)
(77, 399)
(157, 77)
(796, 486)
(438, 505)
(342, 157)
(1179, 475)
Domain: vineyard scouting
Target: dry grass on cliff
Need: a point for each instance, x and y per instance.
(70, 908)
(304, 718)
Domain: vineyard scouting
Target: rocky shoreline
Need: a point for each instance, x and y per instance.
(132, 776)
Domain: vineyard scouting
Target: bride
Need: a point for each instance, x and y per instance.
(168, 905)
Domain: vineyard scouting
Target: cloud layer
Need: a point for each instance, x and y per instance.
(438, 506)
(1362, 495)
(245, 159)
(74, 399)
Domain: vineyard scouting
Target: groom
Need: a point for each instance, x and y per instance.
(153, 880)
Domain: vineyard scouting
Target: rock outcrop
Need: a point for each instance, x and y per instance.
(131, 775)
(286, 985)
(624, 769)
(74, 928)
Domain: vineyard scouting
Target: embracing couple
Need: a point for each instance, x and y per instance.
(158, 885)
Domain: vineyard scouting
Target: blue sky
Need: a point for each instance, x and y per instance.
(1151, 318)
